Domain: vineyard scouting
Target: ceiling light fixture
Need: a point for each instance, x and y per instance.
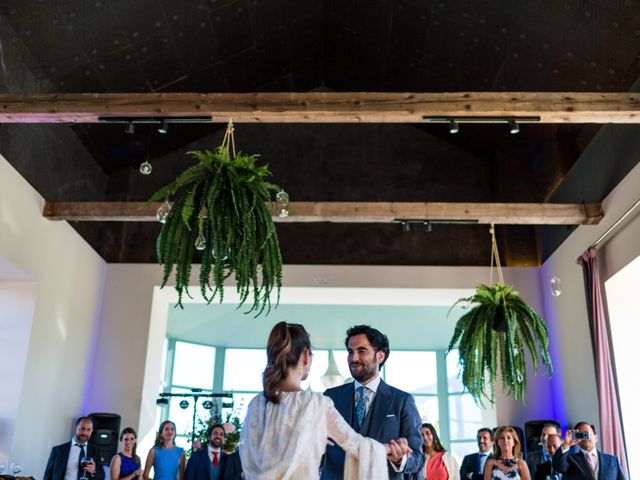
(427, 226)
(131, 128)
(454, 122)
(514, 127)
(405, 227)
(453, 126)
(164, 127)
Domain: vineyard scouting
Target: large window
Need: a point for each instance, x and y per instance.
(430, 376)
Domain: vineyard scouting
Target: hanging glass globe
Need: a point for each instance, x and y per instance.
(282, 204)
(224, 256)
(556, 286)
(201, 242)
(163, 211)
(145, 168)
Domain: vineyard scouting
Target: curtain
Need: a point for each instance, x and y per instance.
(610, 435)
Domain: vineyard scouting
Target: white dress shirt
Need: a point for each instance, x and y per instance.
(594, 456)
(74, 459)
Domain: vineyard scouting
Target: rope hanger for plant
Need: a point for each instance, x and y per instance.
(229, 139)
(495, 258)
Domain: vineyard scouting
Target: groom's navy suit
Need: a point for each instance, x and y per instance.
(392, 414)
(573, 466)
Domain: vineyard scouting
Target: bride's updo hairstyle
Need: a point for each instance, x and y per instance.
(286, 343)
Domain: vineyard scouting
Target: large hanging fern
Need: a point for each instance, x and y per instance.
(494, 334)
(219, 203)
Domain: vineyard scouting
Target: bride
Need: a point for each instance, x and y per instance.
(286, 429)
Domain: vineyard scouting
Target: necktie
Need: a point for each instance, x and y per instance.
(590, 461)
(80, 459)
(482, 457)
(215, 459)
(360, 406)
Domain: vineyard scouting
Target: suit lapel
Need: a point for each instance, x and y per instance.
(379, 410)
(344, 402)
(583, 466)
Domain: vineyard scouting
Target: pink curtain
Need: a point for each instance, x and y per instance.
(610, 435)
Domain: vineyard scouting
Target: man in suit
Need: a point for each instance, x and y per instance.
(472, 467)
(545, 470)
(212, 463)
(66, 460)
(541, 456)
(373, 408)
(587, 463)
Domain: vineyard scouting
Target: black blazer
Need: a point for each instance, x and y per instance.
(470, 465)
(199, 466)
(534, 460)
(393, 414)
(573, 466)
(59, 457)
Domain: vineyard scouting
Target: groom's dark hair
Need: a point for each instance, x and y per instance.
(377, 339)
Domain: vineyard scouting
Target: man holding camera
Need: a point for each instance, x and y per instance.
(587, 463)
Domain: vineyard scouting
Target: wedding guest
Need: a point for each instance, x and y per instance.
(167, 460)
(125, 465)
(212, 463)
(439, 463)
(285, 432)
(586, 463)
(545, 470)
(507, 461)
(472, 467)
(67, 461)
(539, 457)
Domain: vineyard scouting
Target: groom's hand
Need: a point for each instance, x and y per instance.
(404, 446)
(395, 452)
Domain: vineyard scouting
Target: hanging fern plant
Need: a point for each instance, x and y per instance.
(493, 335)
(220, 208)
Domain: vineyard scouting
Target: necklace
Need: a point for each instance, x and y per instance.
(509, 462)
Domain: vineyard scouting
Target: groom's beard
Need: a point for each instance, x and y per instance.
(363, 372)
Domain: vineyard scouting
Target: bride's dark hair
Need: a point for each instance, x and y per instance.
(286, 343)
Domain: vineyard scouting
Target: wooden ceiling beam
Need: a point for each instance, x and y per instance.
(322, 107)
(360, 212)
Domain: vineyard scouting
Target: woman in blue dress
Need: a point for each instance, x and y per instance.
(126, 464)
(167, 460)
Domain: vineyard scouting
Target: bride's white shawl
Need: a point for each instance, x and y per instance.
(286, 440)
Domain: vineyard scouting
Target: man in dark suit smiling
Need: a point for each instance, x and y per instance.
(211, 463)
(66, 461)
(472, 467)
(373, 408)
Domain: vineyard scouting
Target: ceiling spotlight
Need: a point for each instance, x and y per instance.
(145, 168)
(453, 126)
(184, 404)
(427, 226)
(514, 127)
(130, 128)
(207, 404)
(164, 127)
(162, 402)
(406, 227)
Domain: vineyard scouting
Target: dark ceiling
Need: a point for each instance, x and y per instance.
(325, 45)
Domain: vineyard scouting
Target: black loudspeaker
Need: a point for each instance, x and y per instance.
(532, 431)
(106, 429)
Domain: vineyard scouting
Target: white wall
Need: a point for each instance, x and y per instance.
(69, 279)
(574, 384)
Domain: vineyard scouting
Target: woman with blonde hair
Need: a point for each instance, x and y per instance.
(507, 463)
(286, 429)
(167, 460)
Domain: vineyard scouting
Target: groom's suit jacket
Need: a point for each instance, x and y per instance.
(59, 457)
(393, 414)
(573, 466)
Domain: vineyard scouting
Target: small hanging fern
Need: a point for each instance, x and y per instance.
(220, 204)
(494, 333)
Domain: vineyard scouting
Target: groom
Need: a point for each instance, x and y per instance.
(373, 408)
